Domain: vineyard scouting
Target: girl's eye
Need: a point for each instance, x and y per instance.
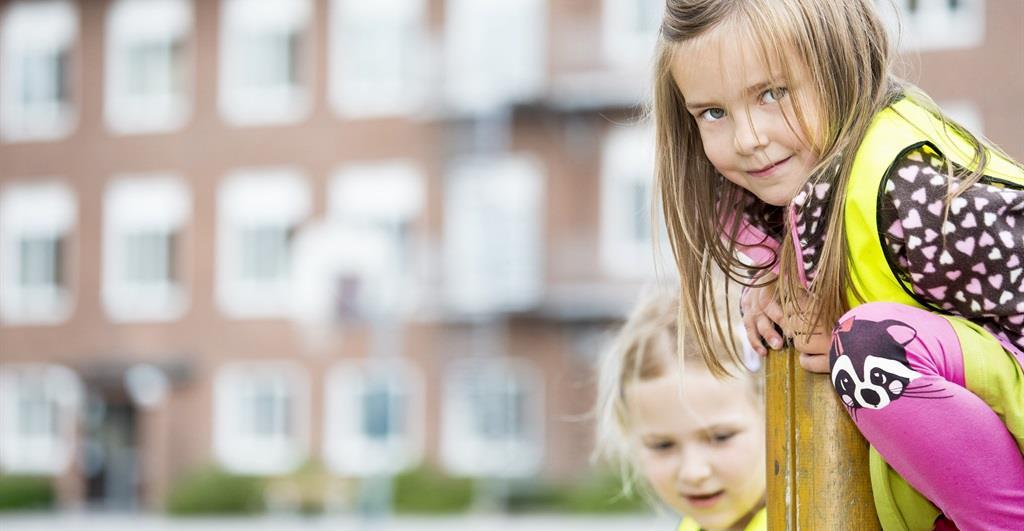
(722, 437)
(774, 94)
(660, 446)
(712, 114)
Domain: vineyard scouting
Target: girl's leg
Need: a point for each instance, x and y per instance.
(900, 372)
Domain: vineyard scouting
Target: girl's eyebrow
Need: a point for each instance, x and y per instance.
(756, 88)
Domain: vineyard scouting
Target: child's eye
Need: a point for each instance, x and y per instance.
(722, 436)
(660, 446)
(712, 114)
(774, 94)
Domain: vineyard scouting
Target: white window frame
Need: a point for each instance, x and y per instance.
(348, 450)
(50, 452)
(398, 80)
(43, 27)
(243, 104)
(495, 53)
(246, 453)
(131, 23)
(465, 451)
(378, 201)
(625, 41)
(933, 25)
(45, 209)
(139, 204)
(265, 198)
(627, 161)
(494, 234)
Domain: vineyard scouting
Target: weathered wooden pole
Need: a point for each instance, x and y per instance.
(817, 460)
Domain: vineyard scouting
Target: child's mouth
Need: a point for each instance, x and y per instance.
(768, 170)
(704, 500)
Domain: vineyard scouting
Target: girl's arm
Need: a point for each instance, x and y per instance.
(971, 263)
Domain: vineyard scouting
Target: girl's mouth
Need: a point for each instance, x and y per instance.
(768, 170)
(704, 500)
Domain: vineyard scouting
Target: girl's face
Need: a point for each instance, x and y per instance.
(741, 111)
(702, 452)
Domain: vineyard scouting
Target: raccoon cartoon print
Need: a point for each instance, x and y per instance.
(870, 369)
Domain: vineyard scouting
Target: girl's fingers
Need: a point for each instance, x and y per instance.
(814, 362)
(766, 328)
(752, 336)
(774, 312)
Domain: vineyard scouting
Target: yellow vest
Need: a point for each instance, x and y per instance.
(895, 130)
(758, 523)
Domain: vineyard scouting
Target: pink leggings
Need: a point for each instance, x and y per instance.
(900, 372)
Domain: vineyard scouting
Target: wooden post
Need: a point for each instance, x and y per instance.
(817, 460)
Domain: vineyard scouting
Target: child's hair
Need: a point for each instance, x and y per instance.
(645, 348)
(846, 53)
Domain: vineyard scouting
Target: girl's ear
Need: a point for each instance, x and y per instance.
(902, 333)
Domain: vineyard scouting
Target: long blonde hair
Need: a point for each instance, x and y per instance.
(846, 51)
(644, 349)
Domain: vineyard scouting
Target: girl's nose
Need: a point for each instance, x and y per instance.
(694, 468)
(748, 139)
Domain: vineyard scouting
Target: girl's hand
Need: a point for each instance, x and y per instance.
(813, 342)
(762, 318)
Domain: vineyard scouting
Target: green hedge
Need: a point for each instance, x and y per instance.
(213, 491)
(19, 493)
(599, 493)
(426, 491)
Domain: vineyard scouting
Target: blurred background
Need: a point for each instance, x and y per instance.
(345, 257)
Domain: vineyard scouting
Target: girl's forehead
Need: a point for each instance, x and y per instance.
(688, 403)
(720, 60)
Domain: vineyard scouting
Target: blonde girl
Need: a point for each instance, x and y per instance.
(694, 440)
(883, 239)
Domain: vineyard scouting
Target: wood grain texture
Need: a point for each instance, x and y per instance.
(817, 460)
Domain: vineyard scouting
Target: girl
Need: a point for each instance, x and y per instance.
(697, 441)
(885, 240)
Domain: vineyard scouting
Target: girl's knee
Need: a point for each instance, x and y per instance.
(868, 358)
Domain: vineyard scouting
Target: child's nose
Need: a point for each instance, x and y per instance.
(747, 137)
(694, 468)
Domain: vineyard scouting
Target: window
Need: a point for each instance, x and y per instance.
(258, 214)
(36, 221)
(493, 418)
(377, 57)
(373, 425)
(493, 235)
(495, 52)
(146, 75)
(935, 24)
(265, 63)
(143, 221)
(38, 405)
(36, 41)
(631, 30)
(627, 176)
(381, 203)
(260, 424)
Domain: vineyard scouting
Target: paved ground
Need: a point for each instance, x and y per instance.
(113, 522)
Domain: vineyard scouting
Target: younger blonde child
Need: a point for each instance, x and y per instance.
(694, 440)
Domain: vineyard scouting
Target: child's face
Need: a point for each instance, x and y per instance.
(741, 111)
(703, 453)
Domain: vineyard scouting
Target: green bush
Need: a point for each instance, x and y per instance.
(426, 491)
(213, 491)
(599, 493)
(19, 493)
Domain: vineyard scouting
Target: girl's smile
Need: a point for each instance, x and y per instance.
(771, 168)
